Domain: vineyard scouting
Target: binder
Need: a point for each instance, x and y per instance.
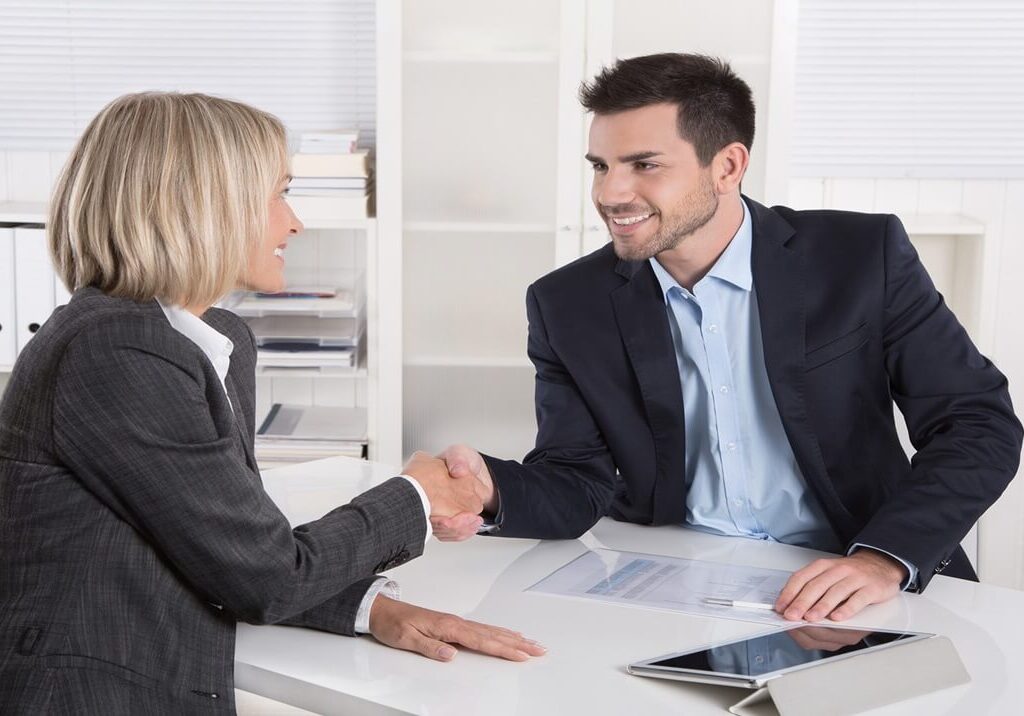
(34, 278)
(8, 320)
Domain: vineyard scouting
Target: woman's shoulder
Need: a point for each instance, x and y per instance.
(98, 325)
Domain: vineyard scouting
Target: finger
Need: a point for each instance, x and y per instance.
(456, 528)
(494, 641)
(833, 597)
(427, 646)
(853, 605)
(797, 581)
(462, 460)
(810, 594)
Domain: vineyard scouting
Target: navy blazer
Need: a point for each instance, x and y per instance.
(851, 322)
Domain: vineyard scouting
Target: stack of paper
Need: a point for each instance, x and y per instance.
(298, 433)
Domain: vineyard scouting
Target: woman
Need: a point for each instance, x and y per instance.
(134, 529)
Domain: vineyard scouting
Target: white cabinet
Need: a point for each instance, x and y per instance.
(496, 189)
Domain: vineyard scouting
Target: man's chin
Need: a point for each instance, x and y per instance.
(628, 251)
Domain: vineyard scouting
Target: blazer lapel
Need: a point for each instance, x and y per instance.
(243, 438)
(779, 273)
(643, 323)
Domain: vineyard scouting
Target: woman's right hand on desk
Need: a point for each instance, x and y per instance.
(432, 634)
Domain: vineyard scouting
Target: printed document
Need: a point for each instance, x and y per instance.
(672, 583)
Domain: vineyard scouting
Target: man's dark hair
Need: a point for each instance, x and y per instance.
(715, 106)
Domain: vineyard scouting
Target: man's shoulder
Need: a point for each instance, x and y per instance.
(831, 222)
(594, 272)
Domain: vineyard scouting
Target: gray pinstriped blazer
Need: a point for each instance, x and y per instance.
(135, 531)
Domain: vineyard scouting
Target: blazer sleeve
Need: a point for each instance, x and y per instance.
(132, 422)
(958, 411)
(567, 482)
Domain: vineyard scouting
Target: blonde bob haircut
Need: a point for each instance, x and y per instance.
(164, 195)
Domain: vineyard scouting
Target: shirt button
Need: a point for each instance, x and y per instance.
(713, 328)
(724, 389)
(737, 503)
(730, 447)
(759, 659)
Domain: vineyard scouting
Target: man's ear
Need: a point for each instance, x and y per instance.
(728, 167)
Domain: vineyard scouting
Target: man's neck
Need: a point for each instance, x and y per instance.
(694, 256)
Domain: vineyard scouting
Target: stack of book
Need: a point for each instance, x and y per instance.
(331, 178)
(299, 433)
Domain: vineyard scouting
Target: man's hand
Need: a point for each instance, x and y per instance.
(448, 495)
(465, 462)
(430, 633)
(840, 588)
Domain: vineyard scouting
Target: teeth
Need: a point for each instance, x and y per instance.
(279, 252)
(627, 220)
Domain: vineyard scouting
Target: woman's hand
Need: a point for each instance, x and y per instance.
(430, 633)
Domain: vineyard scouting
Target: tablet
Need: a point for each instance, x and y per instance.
(752, 662)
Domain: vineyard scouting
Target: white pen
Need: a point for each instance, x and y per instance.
(718, 602)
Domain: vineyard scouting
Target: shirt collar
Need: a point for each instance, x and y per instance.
(733, 266)
(215, 345)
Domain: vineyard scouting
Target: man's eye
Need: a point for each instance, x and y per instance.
(599, 167)
(645, 165)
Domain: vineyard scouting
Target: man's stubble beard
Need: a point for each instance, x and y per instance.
(696, 210)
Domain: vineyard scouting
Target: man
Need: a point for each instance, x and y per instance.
(733, 367)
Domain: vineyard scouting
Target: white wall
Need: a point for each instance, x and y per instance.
(992, 314)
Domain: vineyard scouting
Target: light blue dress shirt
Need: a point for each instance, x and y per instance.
(741, 475)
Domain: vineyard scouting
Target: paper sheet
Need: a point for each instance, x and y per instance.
(672, 583)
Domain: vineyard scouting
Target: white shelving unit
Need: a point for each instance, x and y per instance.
(497, 192)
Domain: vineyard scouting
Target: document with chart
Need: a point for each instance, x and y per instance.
(682, 585)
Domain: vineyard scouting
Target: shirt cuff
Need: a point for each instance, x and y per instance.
(909, 583)
(385, 586)
(426, 505)
(493, 525)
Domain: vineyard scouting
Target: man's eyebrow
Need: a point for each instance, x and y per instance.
(635, 157)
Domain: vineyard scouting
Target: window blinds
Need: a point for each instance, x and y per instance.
(909, 88)
(310, 62)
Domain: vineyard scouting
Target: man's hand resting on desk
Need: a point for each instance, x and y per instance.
(447, 495)
(840, 588)
(465, 463)
(430, 633)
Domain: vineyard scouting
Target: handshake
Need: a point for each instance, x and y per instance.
(459, 488)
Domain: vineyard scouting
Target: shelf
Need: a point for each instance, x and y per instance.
(23, 212)
(360, 224)
(467, 362)
(505, 57)
(279, 372)
(501, 227)
(337, 307)
(942, 225)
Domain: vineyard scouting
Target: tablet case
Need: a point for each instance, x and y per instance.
(839, 688)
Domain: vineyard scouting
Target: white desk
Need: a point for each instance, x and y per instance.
(589, 643)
